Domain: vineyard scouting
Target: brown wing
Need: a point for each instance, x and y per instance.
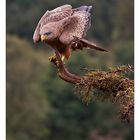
(52, 16)
(80, 43)
(78, 26)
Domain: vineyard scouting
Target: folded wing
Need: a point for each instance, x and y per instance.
(78, 26)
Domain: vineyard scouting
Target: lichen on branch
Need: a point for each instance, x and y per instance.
(111, 85)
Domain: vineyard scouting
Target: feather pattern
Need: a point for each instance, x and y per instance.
(52, 16)
(78, 26)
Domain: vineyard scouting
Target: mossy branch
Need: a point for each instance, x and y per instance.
(111, 85)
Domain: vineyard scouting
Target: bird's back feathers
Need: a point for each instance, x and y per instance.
(84, 8)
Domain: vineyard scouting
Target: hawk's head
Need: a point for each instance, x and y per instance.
(47, 36)
(50, 32)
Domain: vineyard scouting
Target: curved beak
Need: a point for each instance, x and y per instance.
(43, 38)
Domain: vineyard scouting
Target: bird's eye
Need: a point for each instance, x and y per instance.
(48, 33)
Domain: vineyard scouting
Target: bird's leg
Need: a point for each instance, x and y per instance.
(54, 60)
(62, 58)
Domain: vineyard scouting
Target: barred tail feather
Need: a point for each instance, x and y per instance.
(80, 43)
(92, 45)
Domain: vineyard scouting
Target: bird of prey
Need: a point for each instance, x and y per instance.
(64, 29)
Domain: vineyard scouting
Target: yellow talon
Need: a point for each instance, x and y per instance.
(52, 58)
(63, 57)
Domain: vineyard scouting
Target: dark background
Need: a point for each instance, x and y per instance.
(40, 106)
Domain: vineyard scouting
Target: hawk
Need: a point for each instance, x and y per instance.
(64, 29)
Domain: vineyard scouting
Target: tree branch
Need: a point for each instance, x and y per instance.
(65, 74)
(110, 85)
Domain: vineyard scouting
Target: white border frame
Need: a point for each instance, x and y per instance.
(2, 70)
(137, 68)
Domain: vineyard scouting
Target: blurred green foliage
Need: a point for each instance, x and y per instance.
(26, 107)
(41, 106)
